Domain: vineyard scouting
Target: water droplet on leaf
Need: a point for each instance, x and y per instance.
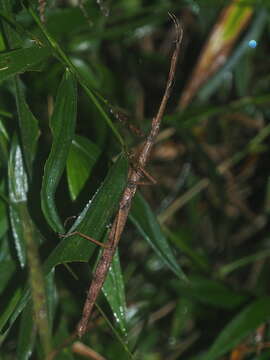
(252, 44)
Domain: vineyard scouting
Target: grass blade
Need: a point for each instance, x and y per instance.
(28, 127)
(62, 124)
(92, 220)
(113, 289)
(19, 61)
(240, 327)
(145, 221)
(81, 159)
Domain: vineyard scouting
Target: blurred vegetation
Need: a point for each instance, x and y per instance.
(76, 76)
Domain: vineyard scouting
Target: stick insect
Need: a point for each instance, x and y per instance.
(135, 174)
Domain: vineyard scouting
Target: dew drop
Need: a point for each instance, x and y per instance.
(252, 44)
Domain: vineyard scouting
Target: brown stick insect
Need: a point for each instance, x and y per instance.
(135, 174)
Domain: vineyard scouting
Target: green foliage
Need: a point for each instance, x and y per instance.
(190, 277)
(62, 126)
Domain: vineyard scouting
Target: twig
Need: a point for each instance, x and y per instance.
(134, 176)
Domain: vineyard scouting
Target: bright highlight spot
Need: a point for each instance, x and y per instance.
(252, 44)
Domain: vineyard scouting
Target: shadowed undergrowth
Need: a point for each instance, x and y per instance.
(79, 82)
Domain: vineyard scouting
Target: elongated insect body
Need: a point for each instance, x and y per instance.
(136, 172)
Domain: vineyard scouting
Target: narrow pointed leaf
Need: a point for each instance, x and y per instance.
(27, 334)
(240, 327)
(93, 220)
(15, 306)
(225, 270)
(4, 139)
(114, 292)
(94, 97)
(29, 130)
(25, 230)
(7, 263)
(18, 188)
(8, 311)
(145, 221)
(18, 61)
(82, 157)
(211, 292)
(62, 125)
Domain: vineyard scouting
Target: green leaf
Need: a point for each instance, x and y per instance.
(245, 260)
(62, 124)
(91, 93)
(18, 61)
(28, 237)
(62, 332)
(4, 221)
(181, 317)
(64, 20)
(194, 115)
(90, 76)
(7, 264)
(181, 239)
(4, 140)
(240, 327)
(27, 334)
(122, 341)
(211, 292)
(15, 306)
(82, 157)
(29, 130)
(18, 188)
(145, 221)
(93, 219)
(12, 304)
(114, 292)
